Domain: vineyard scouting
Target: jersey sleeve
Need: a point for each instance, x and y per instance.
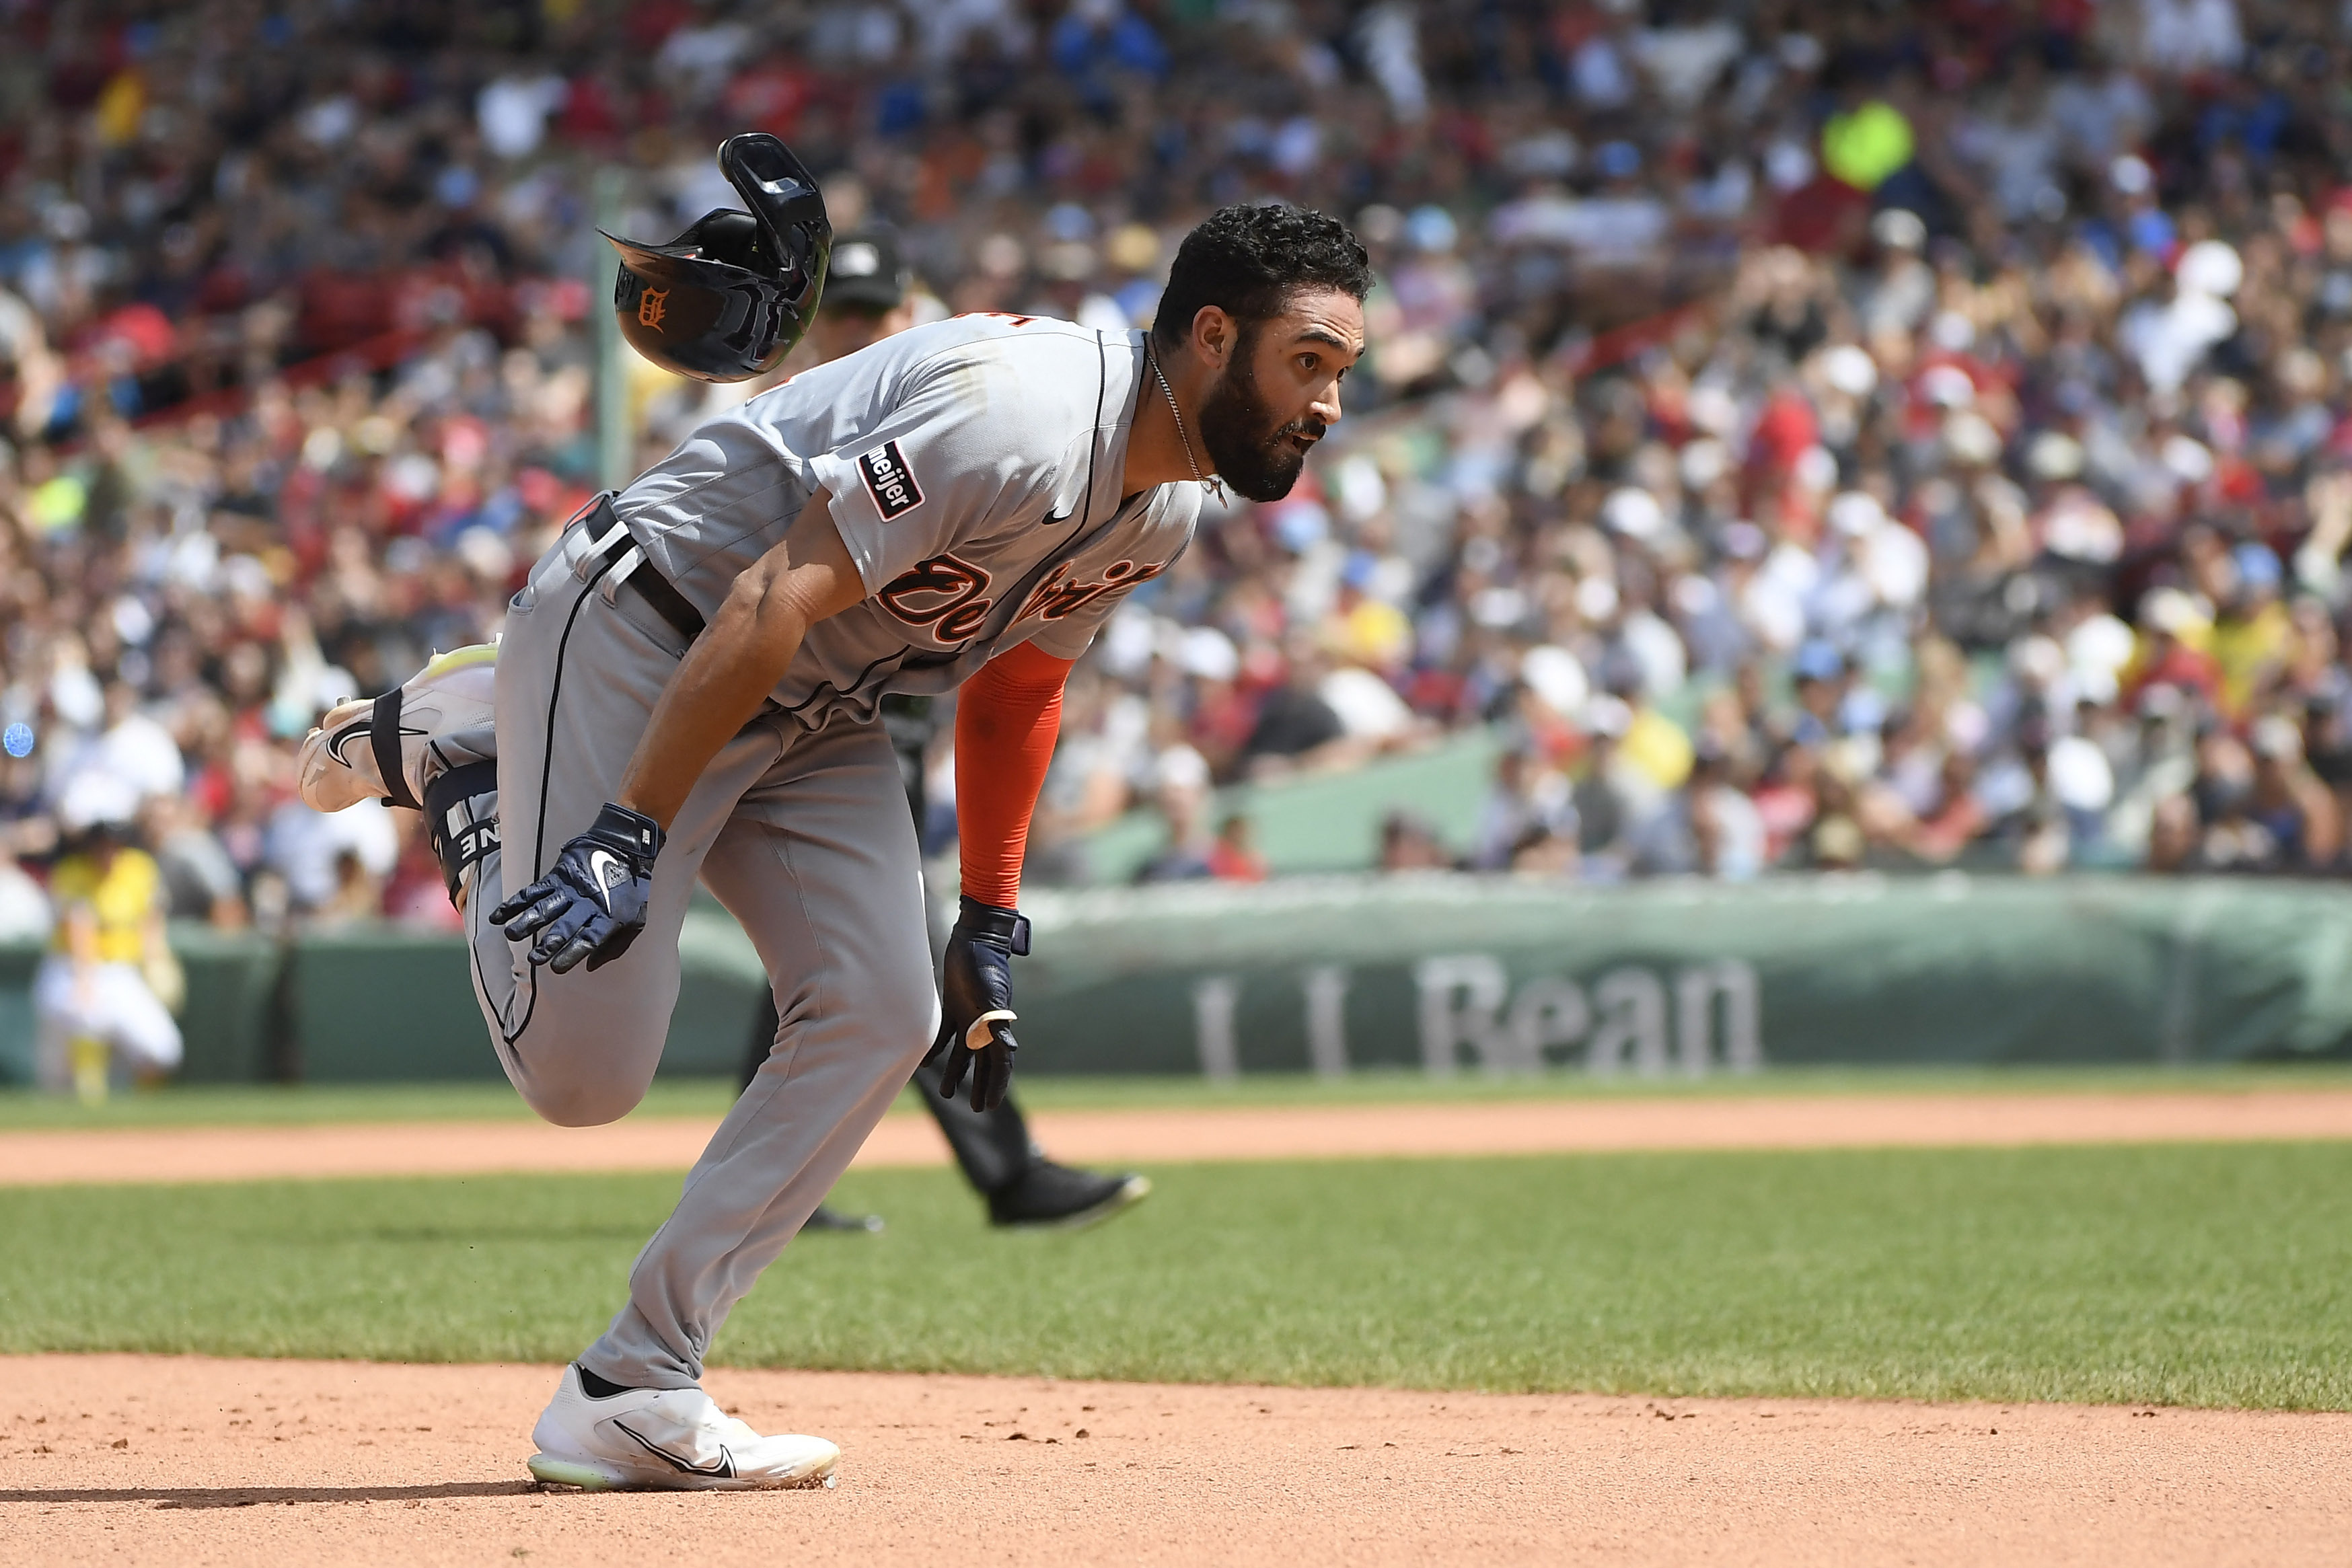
(1073, 635)
(950, 458)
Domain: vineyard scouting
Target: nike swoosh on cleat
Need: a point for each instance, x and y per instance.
(351, 732)
(724, 1467)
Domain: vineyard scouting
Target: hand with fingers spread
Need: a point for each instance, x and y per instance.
(593, 905)
(976, 1002)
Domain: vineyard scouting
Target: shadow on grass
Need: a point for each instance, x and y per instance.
(248, 1497)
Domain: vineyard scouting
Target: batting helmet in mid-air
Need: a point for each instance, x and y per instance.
(726, 299)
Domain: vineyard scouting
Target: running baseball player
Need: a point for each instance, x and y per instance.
(867, 297)
(690, 685)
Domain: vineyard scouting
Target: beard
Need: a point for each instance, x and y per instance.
(1247, 446)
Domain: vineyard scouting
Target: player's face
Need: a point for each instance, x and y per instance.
(1280, 391)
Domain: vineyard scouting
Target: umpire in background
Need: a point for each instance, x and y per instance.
(867, 297)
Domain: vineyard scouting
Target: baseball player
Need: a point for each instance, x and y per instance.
(690, 685)
(95, 995)
(867, 297)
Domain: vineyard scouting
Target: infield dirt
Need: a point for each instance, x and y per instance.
(1975, 1120)
(121, 1459)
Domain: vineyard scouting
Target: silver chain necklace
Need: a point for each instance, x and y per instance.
(1214, 487)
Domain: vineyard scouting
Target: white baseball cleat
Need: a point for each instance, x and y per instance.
(436, 720)
(643, 1439)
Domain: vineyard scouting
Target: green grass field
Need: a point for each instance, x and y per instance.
(272, 1106)
(2192, 1274)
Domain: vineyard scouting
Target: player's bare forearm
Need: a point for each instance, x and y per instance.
(735, 664)
(719, 685)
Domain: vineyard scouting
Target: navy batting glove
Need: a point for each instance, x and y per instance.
(976, 1002)
(593, 905)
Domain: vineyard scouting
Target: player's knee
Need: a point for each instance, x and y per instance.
(583, 1104)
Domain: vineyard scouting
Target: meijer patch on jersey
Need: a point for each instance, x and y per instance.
(887, 476)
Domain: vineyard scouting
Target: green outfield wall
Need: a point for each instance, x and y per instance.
(1457, 974)
(1447, 974)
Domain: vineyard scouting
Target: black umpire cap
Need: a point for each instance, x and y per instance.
(867, 272)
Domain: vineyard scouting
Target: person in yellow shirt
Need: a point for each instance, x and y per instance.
(2252, 631)
(96, 994)
(1658, 747)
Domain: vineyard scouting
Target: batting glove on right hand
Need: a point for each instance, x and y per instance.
(593, 905)
(976, 1002)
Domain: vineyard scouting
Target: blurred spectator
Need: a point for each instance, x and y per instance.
(2287, 799)
(1234, 856)
(24, 907)
(323, 858)
(1527, 804)
(1180, 793)
(200, 881)
(1298, 728)
(1410, 843)
(356, 896)
(1710, 828)
(104, 996)
(1615, 795)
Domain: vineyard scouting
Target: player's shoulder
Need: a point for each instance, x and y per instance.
(1026, 386)
(1005, 363)
(1000, 338)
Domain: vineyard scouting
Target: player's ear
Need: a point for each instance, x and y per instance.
(1213, 336)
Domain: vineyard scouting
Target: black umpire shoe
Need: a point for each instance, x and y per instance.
(1052, 1196)
(826, 1219)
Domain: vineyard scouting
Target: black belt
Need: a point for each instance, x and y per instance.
(650, 585)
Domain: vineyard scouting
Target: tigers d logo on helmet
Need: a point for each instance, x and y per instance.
(726, 299)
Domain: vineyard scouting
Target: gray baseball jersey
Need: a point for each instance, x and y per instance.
(974, 468)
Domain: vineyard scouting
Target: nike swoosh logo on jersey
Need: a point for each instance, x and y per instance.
(607, 872)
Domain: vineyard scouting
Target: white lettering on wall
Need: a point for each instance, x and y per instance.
(1327, 1019)
(1467, 1000)
(1460, 996)
(1695, 989)
(1549, 1012)
(1213, 1023)
(1633, 1024)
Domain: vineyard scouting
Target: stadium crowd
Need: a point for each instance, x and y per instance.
(1812, 434)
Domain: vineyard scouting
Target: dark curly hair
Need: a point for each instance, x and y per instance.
(1251, 261)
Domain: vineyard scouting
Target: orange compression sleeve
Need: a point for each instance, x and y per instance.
(1006, 719)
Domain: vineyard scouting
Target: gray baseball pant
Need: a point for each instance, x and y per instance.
(804, 837)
